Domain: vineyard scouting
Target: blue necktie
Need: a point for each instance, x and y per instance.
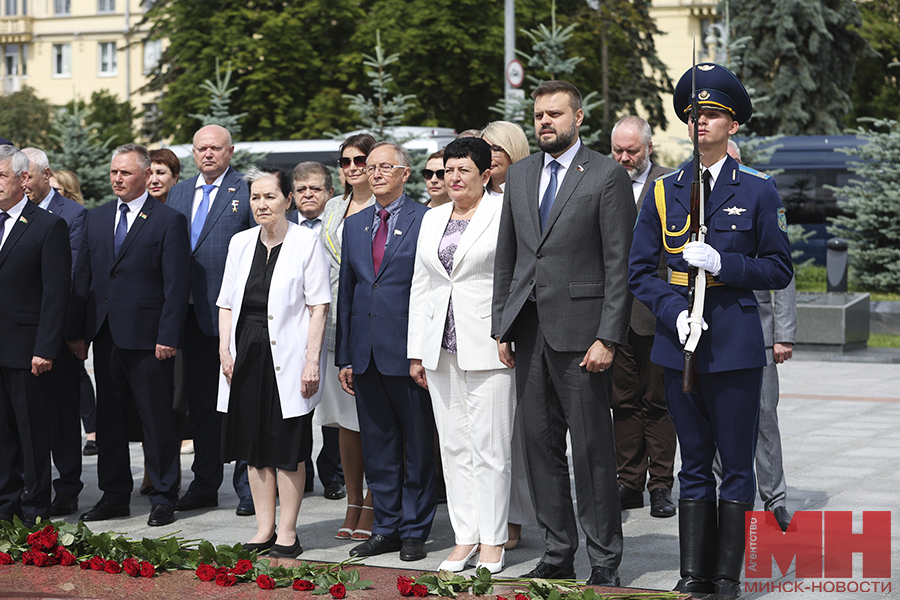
(121, 228)
(3, 217)
(311, 223)
(200, 215)
(549, 194)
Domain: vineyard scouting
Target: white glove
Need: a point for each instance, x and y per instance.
(703, 256)
(684, 328)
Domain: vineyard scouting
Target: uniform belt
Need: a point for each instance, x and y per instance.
(681, 278)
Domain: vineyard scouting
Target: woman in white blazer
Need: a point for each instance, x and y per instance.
(272, 308)
(453, 356)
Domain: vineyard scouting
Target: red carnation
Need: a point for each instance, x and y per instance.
(405, 585)
(85, 565)
(206, 572)
(67, 559)
(226, 579)
(302, 585)
(5, 559)
(147, 570)
(41, 559)
(338, 591)
(265, 582)
(131, 566)
(419, 590)
(242, 567)
(112, 567)
(97, 563)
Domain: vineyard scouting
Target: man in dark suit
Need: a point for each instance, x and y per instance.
(216, 204)
(129, 299)
(645, 436)
(395, 418)
(560, 294)
(34, 293)
(65, 377)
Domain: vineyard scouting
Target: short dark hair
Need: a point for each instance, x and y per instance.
(361, 141)
(311, 167)
(475, 148)
(257, 173)
(555, 86)
(164, 156)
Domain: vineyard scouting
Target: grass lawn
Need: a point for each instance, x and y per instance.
(813, 279)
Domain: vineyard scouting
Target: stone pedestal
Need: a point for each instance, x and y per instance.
(833, 321)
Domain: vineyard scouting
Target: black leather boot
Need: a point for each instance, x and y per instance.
(697, 538)
(730, 556)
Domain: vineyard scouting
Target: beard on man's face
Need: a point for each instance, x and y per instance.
(561, 142)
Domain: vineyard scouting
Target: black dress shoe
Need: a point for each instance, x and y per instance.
(63, 505)
(292, 551)
(545, 570)
(245, 507)
(29, 521)
(630, 498)
(605, 577)
(412, 549)
(334, 490)
(375, 545)
(90, 448)
(260, 546)
(783, 517)
(161, 514)
(661, 504)
(191, 501)
(106, 510)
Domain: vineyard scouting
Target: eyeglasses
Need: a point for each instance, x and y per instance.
(495, 149)
(359, 161)
(427, 174)
(383, 168)
(313, 188)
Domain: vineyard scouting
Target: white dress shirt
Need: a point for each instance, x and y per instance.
(134, 208)
(14, 214)
(637, 185)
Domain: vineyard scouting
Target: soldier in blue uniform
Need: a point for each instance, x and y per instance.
(746, 248)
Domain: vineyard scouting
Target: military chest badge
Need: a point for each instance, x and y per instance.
(734, 211)
(782, 220)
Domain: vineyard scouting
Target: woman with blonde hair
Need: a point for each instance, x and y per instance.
(66, 183)
(508, 145)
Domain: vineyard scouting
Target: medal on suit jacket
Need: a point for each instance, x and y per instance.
(234, 203)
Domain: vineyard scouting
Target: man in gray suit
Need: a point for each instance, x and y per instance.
(645, 436)
(560, 294)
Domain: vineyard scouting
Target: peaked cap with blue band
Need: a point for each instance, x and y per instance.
(717, 89)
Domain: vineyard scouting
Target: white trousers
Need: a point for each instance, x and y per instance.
(474, 411)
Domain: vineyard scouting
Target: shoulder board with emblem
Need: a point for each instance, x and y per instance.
(752, 171)
(666, 175)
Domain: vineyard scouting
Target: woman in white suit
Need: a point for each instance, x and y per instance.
(453, 356)
(272, 308)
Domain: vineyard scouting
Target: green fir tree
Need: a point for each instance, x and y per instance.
(82, 151)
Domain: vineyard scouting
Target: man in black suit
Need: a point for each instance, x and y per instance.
(65, 378)
(216, 204)
(34, 293)
(130, 297)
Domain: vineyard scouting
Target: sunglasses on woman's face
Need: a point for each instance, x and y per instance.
(359, 161)
(427, 174)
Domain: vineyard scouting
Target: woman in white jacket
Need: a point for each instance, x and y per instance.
(454, 357)
(272, 308)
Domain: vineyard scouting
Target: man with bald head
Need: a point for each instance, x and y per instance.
(217, 205)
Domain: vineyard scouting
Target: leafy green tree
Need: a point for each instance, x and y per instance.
(26, 119)
(801, 58)
(81, 150)
(876, 80)
(870, 221)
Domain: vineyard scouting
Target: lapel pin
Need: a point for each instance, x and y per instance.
(580, 169)
(23, 220)
(142, 215)
(733, 174)
(679, 176)
(398, 232)
(735, 211)
(366, 229)
(230, 190)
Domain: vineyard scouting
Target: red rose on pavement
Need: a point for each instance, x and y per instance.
(242, 567)
(67, 559)
(338, 591)
(33, 538)
(97, 563)
(265, 582)
(302, 585)
(112, 567)
(41, 559)
(226, 579)
(147, 570)
(222, 570)
(132, 567)
(405, 585)
(28, 557)
(206, 572)
(85, 565)
(49, 537)
(522, 597)
(5, 559)
(419, 590)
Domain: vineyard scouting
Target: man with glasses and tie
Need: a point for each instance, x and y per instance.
(217, 205)
(561, 295)
(129, 299)
(395, 417)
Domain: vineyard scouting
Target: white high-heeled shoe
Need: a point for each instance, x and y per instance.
(496, 567)
(456, 566)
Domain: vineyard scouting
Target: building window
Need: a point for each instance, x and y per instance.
(12, 8)
(62, 60)
(62, 7)
(106, 6)
(12, 60)
(152, 54)
(107, 58)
